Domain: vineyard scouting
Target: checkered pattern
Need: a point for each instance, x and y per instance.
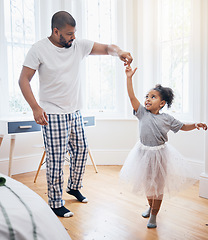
(64, 132)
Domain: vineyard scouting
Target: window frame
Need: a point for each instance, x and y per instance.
(194, 67)
(4, 76)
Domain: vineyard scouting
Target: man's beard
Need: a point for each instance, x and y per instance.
(63, 43)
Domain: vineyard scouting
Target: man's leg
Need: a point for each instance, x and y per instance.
(78, 149)
(55, 139)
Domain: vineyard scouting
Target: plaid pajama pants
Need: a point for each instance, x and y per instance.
(64, 132)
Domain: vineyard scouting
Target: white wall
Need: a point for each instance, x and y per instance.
(26, 156)
(111, 140)
(192, 146)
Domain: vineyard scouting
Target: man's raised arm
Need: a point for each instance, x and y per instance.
(113, 50)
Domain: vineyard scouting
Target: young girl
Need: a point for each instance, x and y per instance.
(152, 165)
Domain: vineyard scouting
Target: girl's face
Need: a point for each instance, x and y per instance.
(153, 101)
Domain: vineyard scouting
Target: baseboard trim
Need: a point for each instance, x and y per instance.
(21, 164)
(28, 163)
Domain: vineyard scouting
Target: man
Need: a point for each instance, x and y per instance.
(57, 59)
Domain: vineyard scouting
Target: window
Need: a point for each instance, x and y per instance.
(98, 22)
(20, 30)
(101, 71)
(175, 34)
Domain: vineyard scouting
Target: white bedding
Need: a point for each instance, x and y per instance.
(24, 215)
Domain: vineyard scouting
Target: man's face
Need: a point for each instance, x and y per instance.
(66, 36)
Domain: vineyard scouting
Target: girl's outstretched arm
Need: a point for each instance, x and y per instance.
(134, 101)
(189, 127)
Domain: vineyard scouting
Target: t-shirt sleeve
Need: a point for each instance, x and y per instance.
(140, 112)
(175, 125)
(86, 47)
(32, 60)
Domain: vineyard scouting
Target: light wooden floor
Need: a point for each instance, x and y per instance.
(115, 214)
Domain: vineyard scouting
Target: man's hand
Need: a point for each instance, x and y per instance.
(40, 116)
(125, 57)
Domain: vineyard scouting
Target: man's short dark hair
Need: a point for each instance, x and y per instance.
(61, 19)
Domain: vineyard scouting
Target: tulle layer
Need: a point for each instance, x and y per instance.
(156, 170)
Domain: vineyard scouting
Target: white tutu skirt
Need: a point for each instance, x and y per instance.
(156, 170)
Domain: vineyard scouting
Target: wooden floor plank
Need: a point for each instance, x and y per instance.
(115, 213)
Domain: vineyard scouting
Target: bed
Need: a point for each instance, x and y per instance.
(24, 215)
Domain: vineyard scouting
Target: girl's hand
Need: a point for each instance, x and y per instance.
(201, 125)
(129, 71)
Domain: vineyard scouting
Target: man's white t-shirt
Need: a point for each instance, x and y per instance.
(59, 74)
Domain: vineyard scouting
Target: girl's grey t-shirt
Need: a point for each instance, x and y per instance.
(154, 127)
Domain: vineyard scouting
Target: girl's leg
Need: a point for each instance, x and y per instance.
(146, 214)
(156, 203)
